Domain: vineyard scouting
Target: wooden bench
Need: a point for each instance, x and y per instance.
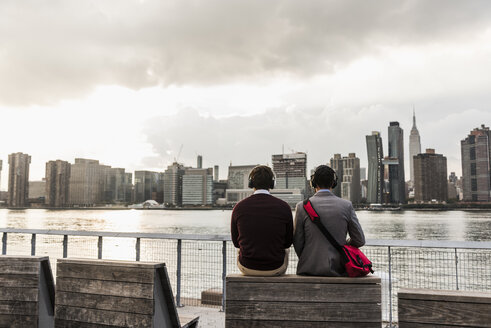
(302, 301)
(27, 292)
(443, 308)
(103, 293)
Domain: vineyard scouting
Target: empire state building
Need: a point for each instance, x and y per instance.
(414, 147)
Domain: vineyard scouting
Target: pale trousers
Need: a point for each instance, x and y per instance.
(265, 273)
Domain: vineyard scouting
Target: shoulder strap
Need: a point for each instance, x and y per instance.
(307, 205)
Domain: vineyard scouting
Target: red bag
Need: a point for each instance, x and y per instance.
(355, 262)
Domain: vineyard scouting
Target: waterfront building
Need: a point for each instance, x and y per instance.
(199, 162)
(291, 171)
(219, 189)
(363, 173)
(397, 182)
(414, 147)
(18, 179)
(375, 152)
(87, 181)
(430, 177)
(348, 172)
(216, 177)
(290, 196)
(238, 176)
(173, 184)
(233, 196)
(197, 186)
(57, 183)
(37, 190)
(476, 159)
(148, 186)
(118, 186)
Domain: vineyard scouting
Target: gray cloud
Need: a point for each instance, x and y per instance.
(52, 50)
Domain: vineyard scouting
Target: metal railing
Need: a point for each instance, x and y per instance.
(201, 262)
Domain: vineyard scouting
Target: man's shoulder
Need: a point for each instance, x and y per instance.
(332, 199)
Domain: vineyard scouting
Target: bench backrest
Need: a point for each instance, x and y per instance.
(26, 292)
(449, 308)
(301, 301)
(114, 294)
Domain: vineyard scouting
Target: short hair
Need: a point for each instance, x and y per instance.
(261, 177)
(323, 177)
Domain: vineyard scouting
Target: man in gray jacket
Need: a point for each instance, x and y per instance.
(316, 255)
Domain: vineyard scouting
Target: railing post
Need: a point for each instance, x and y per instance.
(4, 244)
(33, 244)
(65, 246)
(390, 287)
(137, 248)
(224, 273)
(178, 272)
(99, 248)
(456, 269)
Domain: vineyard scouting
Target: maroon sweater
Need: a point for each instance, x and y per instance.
(262, 227)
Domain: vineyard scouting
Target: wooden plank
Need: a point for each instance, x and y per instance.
(22, 258)
(445, 313)
(445, 295)
(20, 308)
(102, 272)
(19, 280)
(19, 294)
(18, 321)
(118, 319)
(297, 324)
(113, 263)
(422, 325)
(101, 287)
(19, 267)
(343, 312)
(304, 292)
(76, 324)
(292, 278)
(105, 302)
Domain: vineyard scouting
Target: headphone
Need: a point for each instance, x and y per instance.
(251, 178)
(330, 171)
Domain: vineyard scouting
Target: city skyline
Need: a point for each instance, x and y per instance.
(128, 82)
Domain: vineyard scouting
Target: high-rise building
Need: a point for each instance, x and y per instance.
(57, 183)
(291, 171)
(414, 146)
(238, 176)
(199, 162)
(216, 177)
(87, 181)
(375, 151)
(397, 183)
(18, 179)
(148, 186)
(197, 186)
(173, 184)
(348, 172)
(476, 159)
(430, 177)
(118, 186)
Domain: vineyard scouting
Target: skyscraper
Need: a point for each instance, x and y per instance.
(348, 172)
(290, 171)
(18, 192)
(197, 186)
(57, 183)
(476, 159)
(173, 184)
(397, 183)
(414, 146)
(147, 186)
(430, 177)
(375, 151)
(199, 162)
(238, 176)
(87, 181)
(118, 186)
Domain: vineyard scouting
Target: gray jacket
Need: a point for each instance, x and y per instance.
(316, 255)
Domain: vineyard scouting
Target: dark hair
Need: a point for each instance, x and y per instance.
(324, 177)
(261, 177)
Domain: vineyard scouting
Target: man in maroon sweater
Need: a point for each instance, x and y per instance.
(262, 228)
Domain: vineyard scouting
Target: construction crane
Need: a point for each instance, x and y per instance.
(178, 154)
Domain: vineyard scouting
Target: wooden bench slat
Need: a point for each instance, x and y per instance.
(304, 292)
(346, 312)
(291, 278)
(445, 295)
(19, 267)
(101, 287)
(112, 263)
(19, 280)
(19, 294)
(109, 273)
(105, 302)
(17, 307)
(446, 313)
(18, 321)
(298, 324)
(103, 317)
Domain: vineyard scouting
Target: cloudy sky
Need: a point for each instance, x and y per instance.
(128, 82)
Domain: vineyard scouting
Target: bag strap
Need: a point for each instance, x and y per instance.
(307, 205)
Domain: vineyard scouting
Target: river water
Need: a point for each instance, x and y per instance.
(439, 225)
